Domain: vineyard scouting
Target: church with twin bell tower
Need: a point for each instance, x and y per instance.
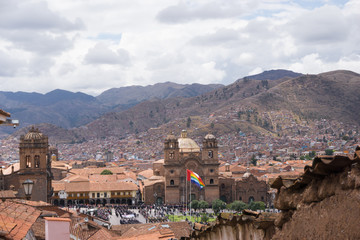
(169, 186)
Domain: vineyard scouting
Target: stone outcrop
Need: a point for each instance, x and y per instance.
(249, 225)
(324, 203)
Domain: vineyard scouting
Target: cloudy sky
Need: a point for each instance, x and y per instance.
(93, 45)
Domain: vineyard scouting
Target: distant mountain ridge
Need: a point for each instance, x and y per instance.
(129, 96)
(274, 75)
(331, 95)
(68, 109)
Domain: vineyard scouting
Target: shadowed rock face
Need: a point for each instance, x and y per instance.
(324, 203)
(325, 207)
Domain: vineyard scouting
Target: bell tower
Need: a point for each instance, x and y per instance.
(35, 164)
(210, 149)
(171, 149)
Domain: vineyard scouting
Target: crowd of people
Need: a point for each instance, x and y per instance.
(103, 213)
(129, 214)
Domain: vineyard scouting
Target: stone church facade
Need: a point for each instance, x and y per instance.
(35, 165)
(169, 185)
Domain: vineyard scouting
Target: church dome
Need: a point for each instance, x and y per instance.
(210, 137)
(187, 144)
(33, 134)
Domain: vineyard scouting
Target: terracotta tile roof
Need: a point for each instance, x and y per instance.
(146, 173)
(102, 234)
(88, 171)
(16, 219)
(8, 170)
(153, 230)
(102, 178)
(94, 186)
(7, 194)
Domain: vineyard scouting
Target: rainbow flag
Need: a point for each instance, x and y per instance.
(195, 178)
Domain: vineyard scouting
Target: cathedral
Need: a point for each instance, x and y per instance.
(169, 184)
(34, 165)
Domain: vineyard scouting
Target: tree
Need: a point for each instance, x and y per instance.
(188, 123)
(329, 152)
(257, 206)
(253, 160)
(106, 172)
(194, 204)
(204, 218)
(218, 205)
(203, 205)
(237, 206)
(312, 154)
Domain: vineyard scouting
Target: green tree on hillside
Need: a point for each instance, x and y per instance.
(188, 123)
(329, 152)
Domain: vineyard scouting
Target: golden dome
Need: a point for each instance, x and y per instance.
(33, 134)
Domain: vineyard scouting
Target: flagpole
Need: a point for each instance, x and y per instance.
(190, 198)
(186, 180)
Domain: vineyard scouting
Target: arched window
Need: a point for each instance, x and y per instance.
(37, 161)
(171, 155)
(172, 182)
(222, 186)
(262, 198)
(211, 181)
(28, 161)
(210, 154)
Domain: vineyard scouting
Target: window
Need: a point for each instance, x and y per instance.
(240, 198)
(171, 155)
(172, 182)
(210, 154)
(105, 194)
(222, 186)
(211, 170)
(211, 181)
(98, 195)
(262, 198)
(37, 161)
(93, 195)
(171, 171)
(28, 161)
(78, 194)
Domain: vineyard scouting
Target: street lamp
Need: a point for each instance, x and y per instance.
(28, 186)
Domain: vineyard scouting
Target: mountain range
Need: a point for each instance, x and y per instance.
(330, 95)
(68, 110)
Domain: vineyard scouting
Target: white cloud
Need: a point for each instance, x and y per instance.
(95, 45)
(101, 54)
